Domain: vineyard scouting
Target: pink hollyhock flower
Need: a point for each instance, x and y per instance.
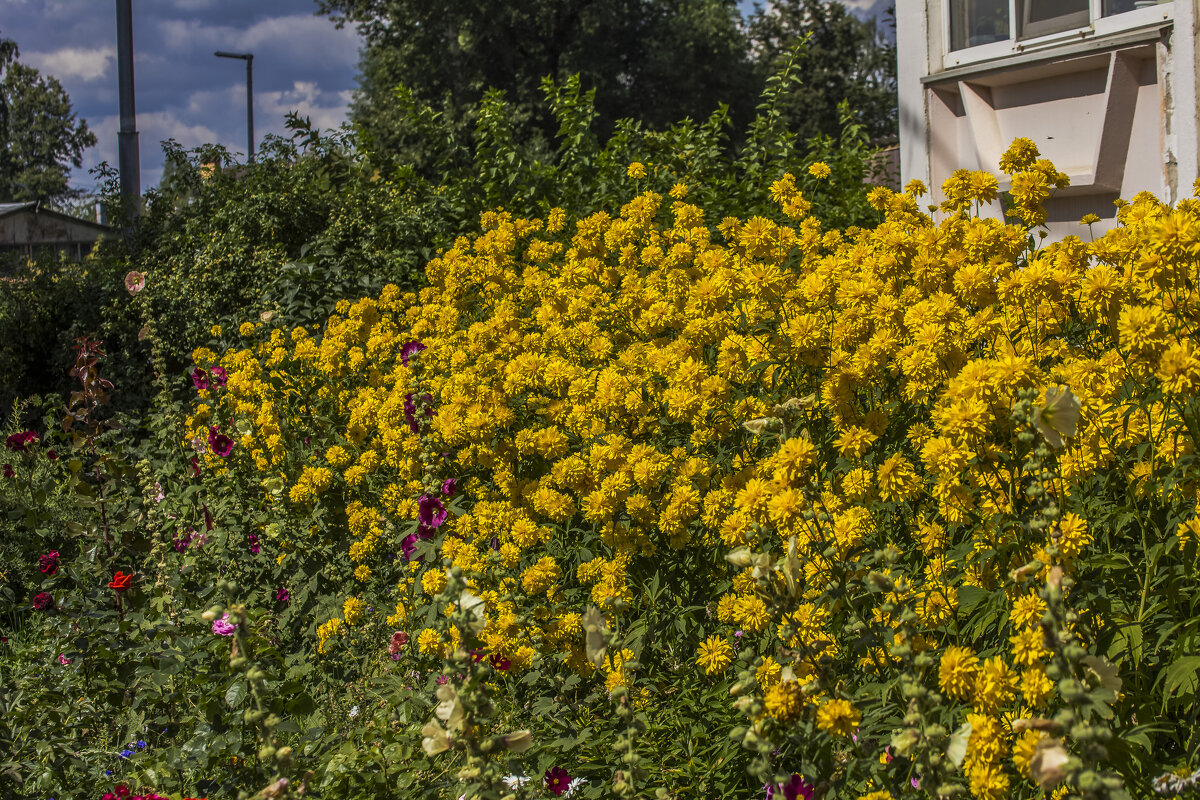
(408, 546)
(218, 376)
(48, 563)
(135, 281)
(449, 487)
(62, 659)
(411, 348)
(199, 379)
(396, 644)
(796, 788)
(223, 627)
(558, 780)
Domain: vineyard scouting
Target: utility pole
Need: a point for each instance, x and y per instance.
(127, 140)
(249, 59)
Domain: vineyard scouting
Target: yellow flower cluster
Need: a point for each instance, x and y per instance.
(638, 395)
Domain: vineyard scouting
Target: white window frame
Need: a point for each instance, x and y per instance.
(1099, 27)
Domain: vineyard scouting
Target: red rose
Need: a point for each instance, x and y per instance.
(120, 581)
(43, 601)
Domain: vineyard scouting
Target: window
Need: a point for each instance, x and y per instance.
(1042, 17)
(976, 22)
(973, 23)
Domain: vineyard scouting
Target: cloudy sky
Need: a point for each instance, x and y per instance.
(301, 63)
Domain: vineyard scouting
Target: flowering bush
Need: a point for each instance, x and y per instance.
(921, 495)
(643, 503)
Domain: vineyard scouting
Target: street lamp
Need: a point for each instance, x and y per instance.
(249, 59)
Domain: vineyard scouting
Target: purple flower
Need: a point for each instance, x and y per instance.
(408, 546)
(255, 547)
(409, 349)
(199, 379)
(221, 444)
(223, 627)
(282, 595)
(449, 487)
(218, 376)
(430, 511)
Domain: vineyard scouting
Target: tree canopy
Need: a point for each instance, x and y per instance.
(41, 138)
(657, 61)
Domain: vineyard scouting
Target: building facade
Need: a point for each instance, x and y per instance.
(29, 229)
(1105, 88)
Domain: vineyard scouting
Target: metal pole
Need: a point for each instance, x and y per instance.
(127, 139)
(250, 105)
(249, 59)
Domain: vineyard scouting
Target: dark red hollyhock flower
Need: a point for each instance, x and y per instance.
(120, 581)
(557, 780)
(48, 563)
(200, 379)
(8, 471)
(21, 441)
(43, 601)
(195, 464)
(50, 454)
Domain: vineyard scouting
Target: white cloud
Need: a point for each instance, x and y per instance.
(296, 38)
(88, 64)
(324, 109)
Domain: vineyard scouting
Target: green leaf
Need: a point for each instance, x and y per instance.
(235, 694)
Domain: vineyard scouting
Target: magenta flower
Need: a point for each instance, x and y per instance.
(408, 546)
(795, 788)
(43, 601)
(218, 376)
(199, 379)
(558, 780)
(48, 563)
(62, 659)
(255, 547)
(282, 595)
(223, 627)
(430, 511)
(499, 662)
(409, 349)
(221, 444)
(449, 487)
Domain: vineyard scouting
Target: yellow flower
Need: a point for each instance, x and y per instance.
(714, 654)
(819, 170)
(636, 170)
(784, 701)
(354, 610)
(838, 717)
(246, 329)
(957, 672)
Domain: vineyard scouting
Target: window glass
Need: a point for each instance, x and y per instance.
(1041, 17)
(976, 22)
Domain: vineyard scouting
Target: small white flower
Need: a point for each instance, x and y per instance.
(353, 712)
(515, 781)
(573, 785)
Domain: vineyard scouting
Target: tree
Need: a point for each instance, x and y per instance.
(40, 136)
(844, 59)
(658, 61)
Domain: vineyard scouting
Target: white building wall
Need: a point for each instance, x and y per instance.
(1113, 105)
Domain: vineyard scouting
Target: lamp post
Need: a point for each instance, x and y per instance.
(249, 59)
(127, 139)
